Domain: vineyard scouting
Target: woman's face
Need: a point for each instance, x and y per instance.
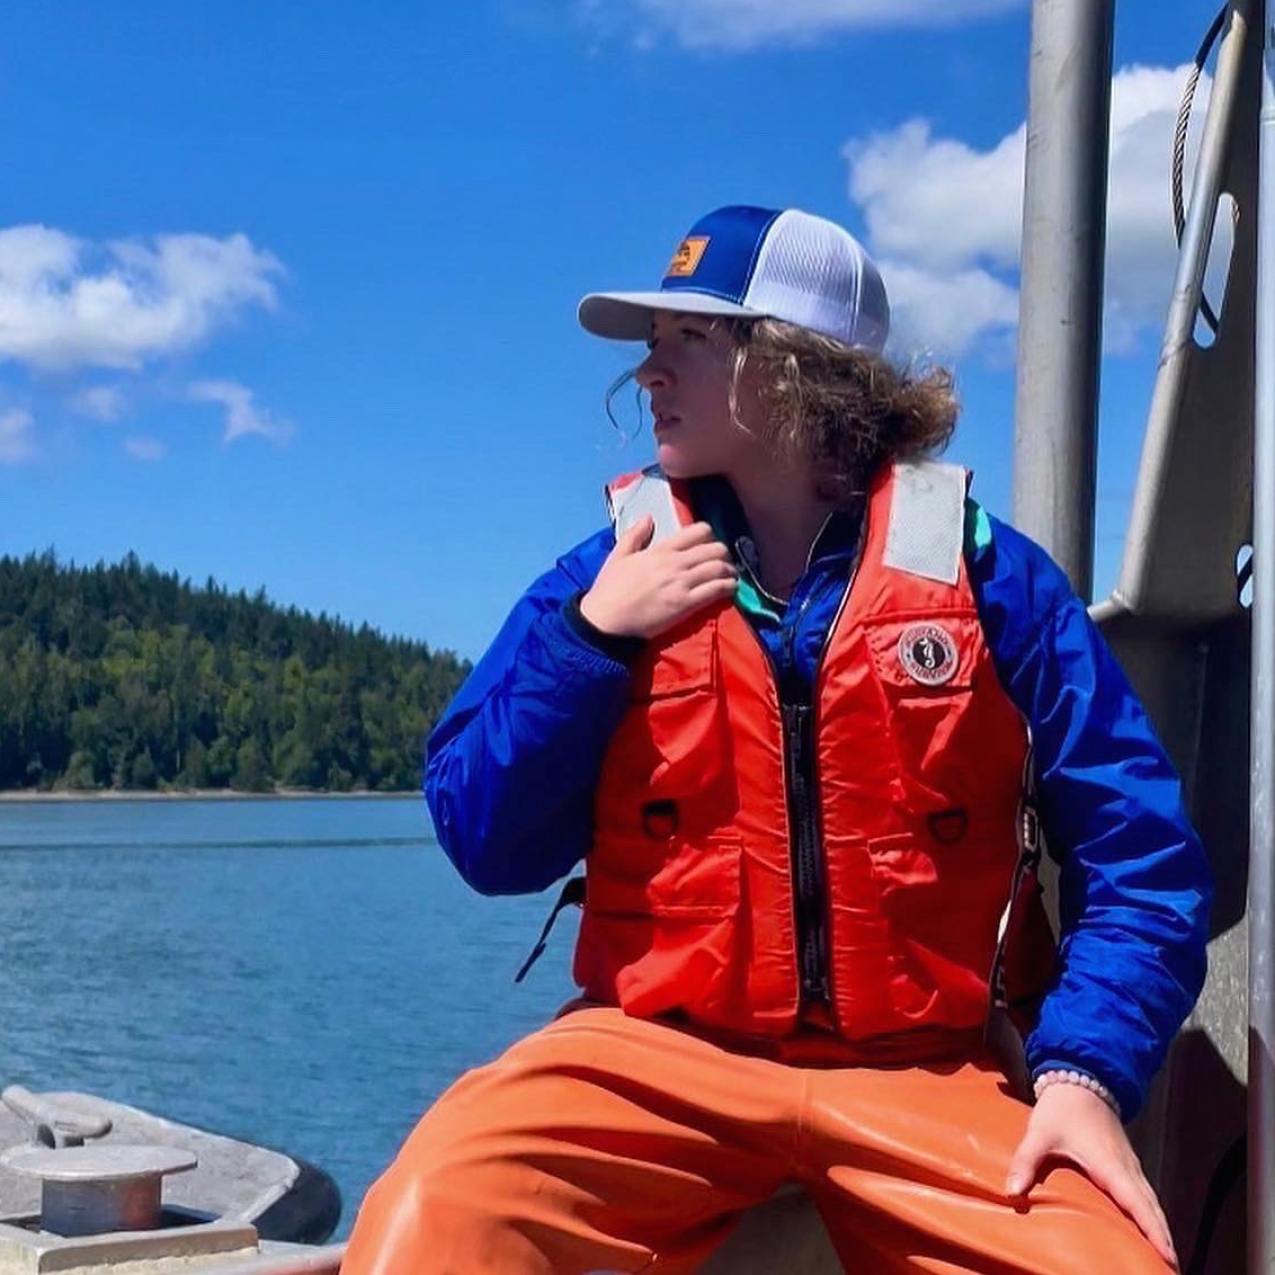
(688, 376)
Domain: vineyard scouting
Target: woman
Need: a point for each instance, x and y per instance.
(784, 711)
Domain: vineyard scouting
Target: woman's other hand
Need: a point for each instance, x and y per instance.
(644, 589)
(1073, 1123)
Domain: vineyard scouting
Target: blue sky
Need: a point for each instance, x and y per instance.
(287, 292)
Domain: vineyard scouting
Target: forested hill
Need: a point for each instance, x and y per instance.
(122, 677)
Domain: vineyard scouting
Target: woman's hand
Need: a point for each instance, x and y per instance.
(1073, 1123)
(644, 589)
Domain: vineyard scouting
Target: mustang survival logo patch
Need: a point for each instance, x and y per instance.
(928, 654)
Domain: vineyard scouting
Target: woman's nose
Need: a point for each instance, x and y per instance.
(651, 372)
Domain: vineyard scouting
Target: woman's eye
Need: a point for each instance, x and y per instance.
(693, 334)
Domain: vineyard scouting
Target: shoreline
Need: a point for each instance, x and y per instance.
(23, 796)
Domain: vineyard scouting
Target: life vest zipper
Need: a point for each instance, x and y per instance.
(797, 707)
(796, 714)
(809, 885)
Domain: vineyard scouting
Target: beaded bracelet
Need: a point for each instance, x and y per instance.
(1061, 1077)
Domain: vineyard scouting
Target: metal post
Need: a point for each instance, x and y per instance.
(1060, 311)
(1191, 469)
(1261, 930)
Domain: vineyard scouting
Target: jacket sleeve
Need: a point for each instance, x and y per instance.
(1135, 886)
(511, 766)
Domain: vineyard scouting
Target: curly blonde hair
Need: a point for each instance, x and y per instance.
(846, 411)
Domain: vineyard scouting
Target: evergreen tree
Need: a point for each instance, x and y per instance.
(120, 676)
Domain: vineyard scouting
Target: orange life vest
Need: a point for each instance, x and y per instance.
(757, 850)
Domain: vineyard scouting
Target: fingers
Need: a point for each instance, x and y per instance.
(698, 539)
(1113, 1174)
(1025, 1164)
(711, 569)
(689, 549)
(698, 533)
(693, 555)
(637, 537)
(1073, 1123)
(1129, 1188)
(710, 591)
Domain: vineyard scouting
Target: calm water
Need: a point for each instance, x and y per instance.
(304, 974)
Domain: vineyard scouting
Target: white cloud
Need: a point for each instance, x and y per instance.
(66, 303)
(145, 448)
(16, 436)
(937, 202)
(736, 25)
(945, 219)
(243, 416)
(944, 313)
(100, 402)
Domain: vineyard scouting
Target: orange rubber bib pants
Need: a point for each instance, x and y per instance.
(609, 1143)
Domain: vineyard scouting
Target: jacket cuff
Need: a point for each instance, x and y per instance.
(616, 646)
(1128, 1099)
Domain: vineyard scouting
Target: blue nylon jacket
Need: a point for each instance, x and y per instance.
(511, 768)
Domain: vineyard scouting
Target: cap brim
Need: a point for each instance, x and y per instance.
(626, 316)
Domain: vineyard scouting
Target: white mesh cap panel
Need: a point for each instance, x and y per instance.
(927, 521)
(812, 273)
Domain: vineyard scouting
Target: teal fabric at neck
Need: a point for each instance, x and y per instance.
(716, 504)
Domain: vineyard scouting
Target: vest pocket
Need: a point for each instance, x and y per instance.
(927, 671)
(672, 742)
(663, 936)
(676, 663)
(942, 904)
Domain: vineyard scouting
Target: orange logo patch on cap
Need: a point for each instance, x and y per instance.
(687, 257)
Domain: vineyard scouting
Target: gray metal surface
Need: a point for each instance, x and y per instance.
(286, 1259)
(92, 1190)
(1176, 620)
(1177, 624)
(1192, 504)
(237, 1257)
(227, 1249)
(104, 1162)
(1194, 683)
(26, 1251)
(233, 1179)
(52, 1125)
(1060, 310)
(1261, 879)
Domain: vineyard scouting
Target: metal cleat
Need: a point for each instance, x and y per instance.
(53, 1125)
(99, 1189)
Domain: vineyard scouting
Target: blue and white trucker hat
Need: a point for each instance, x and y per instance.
(759, 263)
